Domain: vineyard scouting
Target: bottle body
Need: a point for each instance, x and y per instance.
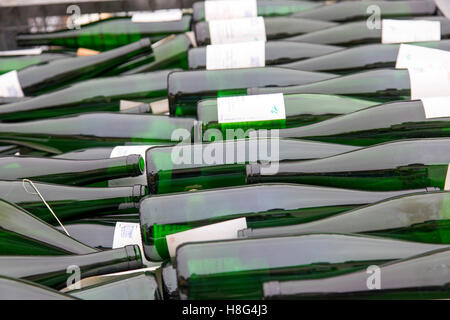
(236, 269)
(263, 206)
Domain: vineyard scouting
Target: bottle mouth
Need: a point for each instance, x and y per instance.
(135, 164)
(139, 191)
(134, 256)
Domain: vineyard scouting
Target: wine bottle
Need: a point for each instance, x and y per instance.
(89, 96)
(360, 58)
(348, 11)
(107, 34)
(192, 167)
(236, 269)
(382, 123)
(169, 53)
(275, 28)
(169, 281)
(300, 110)
(276, 52)
(21, 233)
(353, 33)
(10, 63)
(63, 134)
(380, 85)
(71, 202)
(17, 289)
(57, 73)
(70, 172)
(417, 164)
(55, 271)
(265, 8)
(263, 206)
(136, 286)
(425, 221)
(422, 276)
(186, 88)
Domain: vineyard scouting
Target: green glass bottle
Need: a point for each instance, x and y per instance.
(381, 85)
(186, 88)
(10, 63)
(348, 11)
(360, 58)
(419, 277)
(169, 281)
(265, 8)
(382, 123)
(401, 165)
(70, 172)
(18, 289)
(191, 167)
(169, 53)
(107, 34)
(54, 74)
(69, 202)
(264, 206)
(417, 217)
(276, 52)
(237, 269)
(354, 33)
(136, 286)
(275, 27)
(89, 96)
(21, 233)
(300, 110)
(55, 271)
(63, 134)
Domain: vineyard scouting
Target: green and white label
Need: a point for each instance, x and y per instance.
(264, 107)
(237, 30)
(158, 16)
(230, 9)
(10, 85)
(236, 55)
(121, 151)
(398, 31)
(436, 107)
(217, 231)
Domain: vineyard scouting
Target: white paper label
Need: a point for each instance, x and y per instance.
(429, 83)
(436, 107)
(417, 57)
(230, 9)
(22, 52)
(158, 16)
(127, 104)
(237, 30)
(121, 151)
(263, 107)
(398, 31)
(236, 55)
(218, 231)
(447, 179)
(10, 85)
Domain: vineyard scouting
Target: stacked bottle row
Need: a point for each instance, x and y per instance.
(233, 150)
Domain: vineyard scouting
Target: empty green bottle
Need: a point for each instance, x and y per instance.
(18, 289)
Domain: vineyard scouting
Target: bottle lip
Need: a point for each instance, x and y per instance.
(135, 164)
(138, 192)
(134, 256)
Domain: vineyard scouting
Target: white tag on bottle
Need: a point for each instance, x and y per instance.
(128, 104)
(158, 16)
(236, 55)
(436, 107)
(263, 107)
(121, 151)
(217, 231)
(237, 30)
(429, 83)
(23, 52)
(10, 85)
(398, 31)
(230, 9)
(410, 56)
